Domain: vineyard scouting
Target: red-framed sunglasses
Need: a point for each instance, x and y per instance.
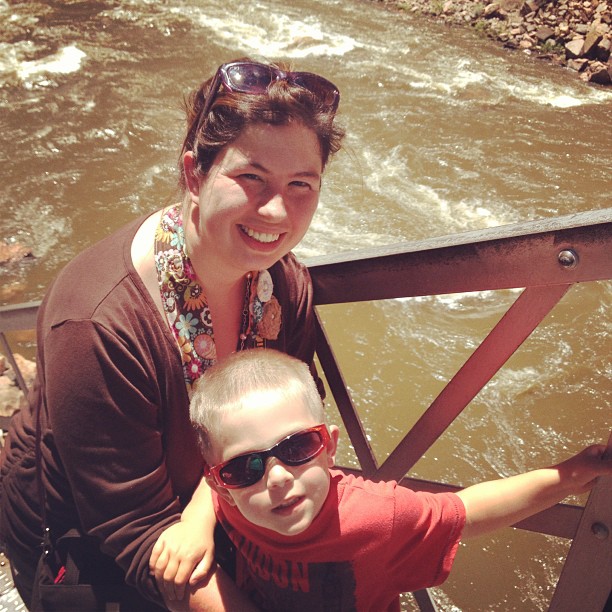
(247, 469)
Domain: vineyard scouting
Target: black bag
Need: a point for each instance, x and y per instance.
(65, 581)
(72, 574)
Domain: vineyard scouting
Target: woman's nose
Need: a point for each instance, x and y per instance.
(277, 474)
(273, 207)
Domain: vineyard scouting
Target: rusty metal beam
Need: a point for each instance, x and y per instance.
(344, 403)
(520, 320)
(512, 256)
(17, 317)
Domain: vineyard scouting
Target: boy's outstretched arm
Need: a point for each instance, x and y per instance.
(184, 552)
(501, 503)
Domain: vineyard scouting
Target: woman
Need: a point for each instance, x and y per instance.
(127, 327)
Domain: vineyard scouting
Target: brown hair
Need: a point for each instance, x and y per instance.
(232, 112)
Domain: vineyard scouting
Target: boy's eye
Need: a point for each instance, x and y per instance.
(250, 177)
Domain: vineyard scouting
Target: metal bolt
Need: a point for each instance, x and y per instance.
(568, 258)
(600, 531)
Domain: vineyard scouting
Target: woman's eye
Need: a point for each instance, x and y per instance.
(250, 177)
(300, 184)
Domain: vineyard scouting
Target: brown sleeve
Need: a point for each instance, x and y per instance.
(293, 289)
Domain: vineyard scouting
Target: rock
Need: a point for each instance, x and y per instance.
(603, 50)
(531, 6)
(544, 33)
(11, 396)
(591, 41)
(511, 6)
(492, 10)
(11, 253)
(26, 367)
(577, 64)
(600, 73)
(573, 48)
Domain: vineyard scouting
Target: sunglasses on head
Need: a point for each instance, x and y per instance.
(255, 78)
(296, 449)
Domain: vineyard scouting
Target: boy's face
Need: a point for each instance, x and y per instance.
(287, 498)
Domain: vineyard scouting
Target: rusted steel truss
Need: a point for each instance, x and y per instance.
(544, 258)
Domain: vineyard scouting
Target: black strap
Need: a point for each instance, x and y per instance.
(42, 496)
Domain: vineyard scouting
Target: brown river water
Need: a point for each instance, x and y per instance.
(446, 133)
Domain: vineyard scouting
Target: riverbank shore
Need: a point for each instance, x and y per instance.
(11, 396)
(576, 34)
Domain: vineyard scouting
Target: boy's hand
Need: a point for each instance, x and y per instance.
(580, 471)
(179, 556)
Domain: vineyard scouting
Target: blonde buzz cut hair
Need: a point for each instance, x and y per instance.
(223, 387)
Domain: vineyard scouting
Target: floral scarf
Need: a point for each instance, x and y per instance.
(186, 308)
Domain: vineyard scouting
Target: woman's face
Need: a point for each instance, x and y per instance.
(257, 201)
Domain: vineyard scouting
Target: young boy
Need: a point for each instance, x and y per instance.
(308, 537)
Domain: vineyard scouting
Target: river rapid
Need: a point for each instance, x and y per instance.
(446, 133)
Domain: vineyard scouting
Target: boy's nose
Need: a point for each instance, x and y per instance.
(277, 473)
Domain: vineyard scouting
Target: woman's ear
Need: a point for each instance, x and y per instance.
(332, 445)
(191, 175)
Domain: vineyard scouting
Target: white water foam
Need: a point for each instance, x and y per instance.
(278, 35)
(64, 61)
(497, 82)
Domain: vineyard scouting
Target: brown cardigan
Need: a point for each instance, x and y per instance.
(119, 455)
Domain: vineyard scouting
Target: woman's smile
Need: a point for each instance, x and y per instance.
(264, 237)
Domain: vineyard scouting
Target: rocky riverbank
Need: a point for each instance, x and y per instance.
(11, 396)
(576, 34)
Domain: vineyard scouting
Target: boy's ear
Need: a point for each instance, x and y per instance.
(332, 445)
(221, 492)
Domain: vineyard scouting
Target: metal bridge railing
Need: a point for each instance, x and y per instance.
(544, 258)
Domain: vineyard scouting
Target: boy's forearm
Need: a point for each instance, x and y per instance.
(501, 503)
(200, 506)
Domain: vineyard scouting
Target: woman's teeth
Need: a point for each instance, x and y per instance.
(259, 236)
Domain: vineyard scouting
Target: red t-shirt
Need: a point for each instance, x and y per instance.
(370, 542)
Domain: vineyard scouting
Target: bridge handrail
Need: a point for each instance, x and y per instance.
(544, 258)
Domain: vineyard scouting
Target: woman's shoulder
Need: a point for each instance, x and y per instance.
(92, 276)
(109, 248)
(291, 270)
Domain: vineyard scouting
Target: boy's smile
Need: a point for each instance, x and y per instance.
(287, 498)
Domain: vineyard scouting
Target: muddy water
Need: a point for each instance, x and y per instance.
(447, 133)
